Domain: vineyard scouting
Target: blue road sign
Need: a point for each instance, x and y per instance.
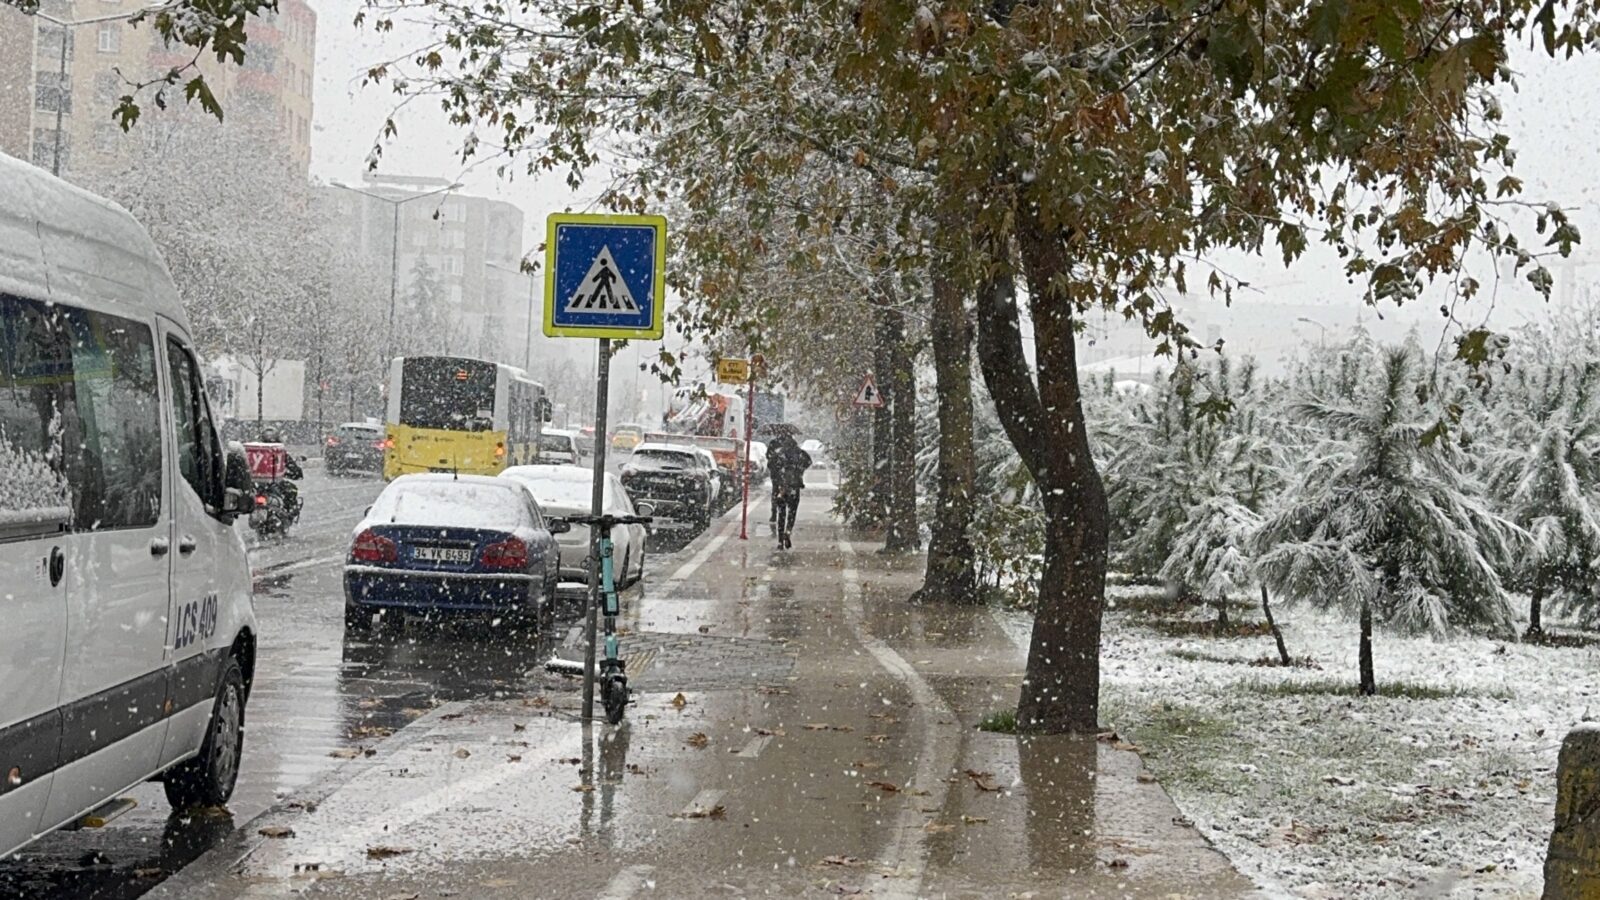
(605, 276)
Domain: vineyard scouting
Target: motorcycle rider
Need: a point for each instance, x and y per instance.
(291, 471)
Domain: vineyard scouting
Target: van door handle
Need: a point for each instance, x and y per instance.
(159, 546)
(186, 544)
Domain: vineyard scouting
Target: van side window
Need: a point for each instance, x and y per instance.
(198, 455)
(114, 460)
(35, 406)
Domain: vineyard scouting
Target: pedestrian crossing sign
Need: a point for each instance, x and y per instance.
(605, 276)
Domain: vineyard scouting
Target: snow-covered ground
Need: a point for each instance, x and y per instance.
(1445, 791)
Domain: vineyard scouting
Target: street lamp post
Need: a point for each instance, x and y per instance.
(1322, 332)
(527, 337)
(394, 252)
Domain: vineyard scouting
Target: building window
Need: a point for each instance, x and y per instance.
(110, 37)
(48, 93)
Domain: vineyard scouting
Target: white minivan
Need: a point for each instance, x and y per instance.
(129, 637)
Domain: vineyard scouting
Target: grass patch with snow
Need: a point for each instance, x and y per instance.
(1442, 785)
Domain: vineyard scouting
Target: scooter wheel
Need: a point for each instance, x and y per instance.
(614, 695)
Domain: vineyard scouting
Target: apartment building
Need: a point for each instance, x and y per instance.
(63, 72)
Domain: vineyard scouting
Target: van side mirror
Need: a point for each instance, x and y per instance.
(558, 526)
(239, 489)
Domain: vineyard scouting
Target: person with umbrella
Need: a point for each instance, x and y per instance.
(788, 465)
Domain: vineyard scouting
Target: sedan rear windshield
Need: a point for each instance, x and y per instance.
(662, 460)
(558, 442)
(359, 434)
(452, 504)
(565, 492)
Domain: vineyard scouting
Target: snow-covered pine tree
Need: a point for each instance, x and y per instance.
(1383, 524)
(1544, 475)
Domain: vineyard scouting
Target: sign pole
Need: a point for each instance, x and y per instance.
(597, 501)
(749, 424)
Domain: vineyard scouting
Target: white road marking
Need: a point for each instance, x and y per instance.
(908, 848)
(703, 803)
(754, 748)
(1017, 639)
(295, 567)
(626, 883)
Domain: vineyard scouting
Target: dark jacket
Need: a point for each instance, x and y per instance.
(788, 464)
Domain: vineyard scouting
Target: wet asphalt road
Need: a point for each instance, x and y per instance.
(316, 700)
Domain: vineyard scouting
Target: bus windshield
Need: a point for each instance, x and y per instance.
(446, 393)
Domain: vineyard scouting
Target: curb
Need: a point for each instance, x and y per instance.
(202, 878)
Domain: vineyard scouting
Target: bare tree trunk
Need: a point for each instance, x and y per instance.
(1061, 689)
(951, 575)
(903, 533)
(1536, 610)
(261, 393)
(881, 456)
(1224, 624)
(1369, 681)
(1277, 633)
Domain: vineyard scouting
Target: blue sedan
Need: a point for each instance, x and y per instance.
(438, 544)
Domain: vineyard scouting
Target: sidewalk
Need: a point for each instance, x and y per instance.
(823, 746)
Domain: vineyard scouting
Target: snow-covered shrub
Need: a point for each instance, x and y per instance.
(1383, 523)
(28, 486)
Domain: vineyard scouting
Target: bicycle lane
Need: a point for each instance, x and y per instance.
(759, 775)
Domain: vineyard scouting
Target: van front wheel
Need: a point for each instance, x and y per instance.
(208, 779)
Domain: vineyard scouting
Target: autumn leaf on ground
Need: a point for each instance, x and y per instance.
(571, 761)
(680, 701)
(514, 758)
(149, 872)
(877, 738)
(840, 861)
(716, 812)
(462, 753)
(937, 827)
(583, 789)
(888, 787)
(817, 726)
(698, 740)
(983, 781)
(771, 732)
(276, 831)
(518, 726)
(974, 820)
(537, 702)
(346, 753)
(383, 851)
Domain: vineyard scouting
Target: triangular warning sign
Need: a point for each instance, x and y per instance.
(603, 289)
(868, 394)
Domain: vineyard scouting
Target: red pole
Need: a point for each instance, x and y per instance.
(749, 418)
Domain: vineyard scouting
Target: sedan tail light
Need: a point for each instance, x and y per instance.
(511, 553)
(369, 547)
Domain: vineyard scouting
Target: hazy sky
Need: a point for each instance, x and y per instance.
(1552, 119)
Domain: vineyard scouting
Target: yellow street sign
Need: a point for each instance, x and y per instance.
(733, 371)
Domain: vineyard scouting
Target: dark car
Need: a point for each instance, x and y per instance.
(676, 481)
(354, 447)
(440, 544)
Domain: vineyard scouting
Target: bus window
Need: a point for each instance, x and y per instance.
(451, 394)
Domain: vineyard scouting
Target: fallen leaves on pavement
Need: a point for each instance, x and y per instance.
(716, 812)
(384, 851)
(888, 787)
(680, 701)
(277, 831)
(983, 781)
(840, 861)
(698, 740)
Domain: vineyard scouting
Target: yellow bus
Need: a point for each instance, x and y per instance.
(457, 414)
